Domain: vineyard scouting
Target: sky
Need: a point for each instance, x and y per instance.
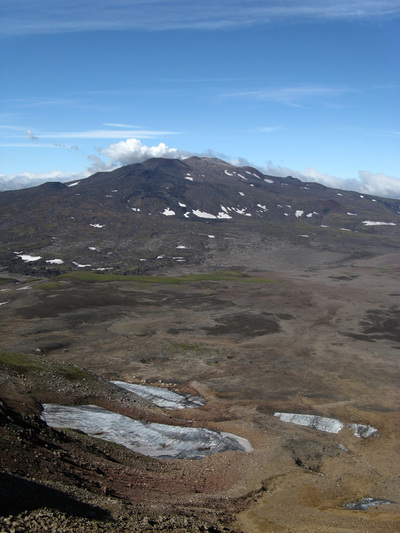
(307, 88)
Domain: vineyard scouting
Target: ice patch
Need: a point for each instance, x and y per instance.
(364, 504)
(373, 223)
(329, 425)
(363, 431)
(168, 212)
(151, 439)
(162, 397)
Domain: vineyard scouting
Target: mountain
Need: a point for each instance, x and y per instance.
(169, 213)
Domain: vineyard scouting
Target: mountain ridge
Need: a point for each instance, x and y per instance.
(136, 216)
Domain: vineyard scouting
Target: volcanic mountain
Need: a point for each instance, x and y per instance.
(163, 213)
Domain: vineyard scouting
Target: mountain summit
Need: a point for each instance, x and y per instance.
(165, 213)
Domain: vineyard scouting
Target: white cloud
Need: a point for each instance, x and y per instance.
(133, 151)
(47, 16)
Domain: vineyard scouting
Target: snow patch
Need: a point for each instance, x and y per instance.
(80, 266)
(97, 225)
(266, 180)
(168, 212)
(299, 213)
(55, 261)
(373, 223)
(29, 258)
(202, 214)
(73, 184)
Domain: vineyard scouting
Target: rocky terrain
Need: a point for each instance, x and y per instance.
(246, 312)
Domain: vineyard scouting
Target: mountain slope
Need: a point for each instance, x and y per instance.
(165, 212)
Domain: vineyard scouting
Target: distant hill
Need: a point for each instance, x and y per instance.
(166, 214)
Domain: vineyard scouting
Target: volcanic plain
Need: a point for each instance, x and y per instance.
(260, 295)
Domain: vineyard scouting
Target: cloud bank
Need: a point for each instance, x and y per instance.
(377, 184)
(47, 16)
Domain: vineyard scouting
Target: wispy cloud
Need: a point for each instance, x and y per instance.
(105, 134)
(48, 16)
(31, 136)
(293, 96)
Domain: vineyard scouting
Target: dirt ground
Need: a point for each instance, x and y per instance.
(321, 341)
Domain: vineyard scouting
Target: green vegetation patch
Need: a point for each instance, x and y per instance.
(227, 275)
(47, 285)
(19, 363)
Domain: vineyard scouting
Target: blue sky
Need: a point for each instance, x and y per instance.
(308, 87)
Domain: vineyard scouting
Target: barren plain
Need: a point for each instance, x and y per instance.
(321, 340)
